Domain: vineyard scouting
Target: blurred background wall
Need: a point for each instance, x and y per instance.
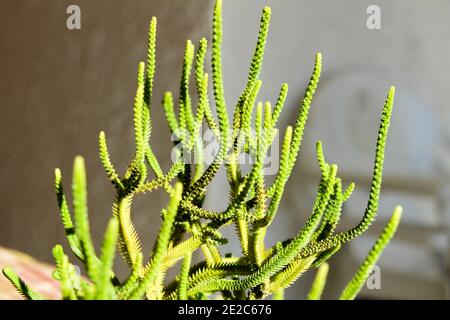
(58, 88)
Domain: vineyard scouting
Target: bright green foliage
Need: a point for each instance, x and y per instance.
(358, 280)
(162, 244)
(62, 273)
(66, 219)
(319, 282)
(186, 226)
(105, 288)
(20, 285)
(79, 194)
(184, 277)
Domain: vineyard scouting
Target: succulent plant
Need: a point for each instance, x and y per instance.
(186, 226)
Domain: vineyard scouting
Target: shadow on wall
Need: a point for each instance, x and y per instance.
(59, 88)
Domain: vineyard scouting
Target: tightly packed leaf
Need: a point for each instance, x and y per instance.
(186, 226)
